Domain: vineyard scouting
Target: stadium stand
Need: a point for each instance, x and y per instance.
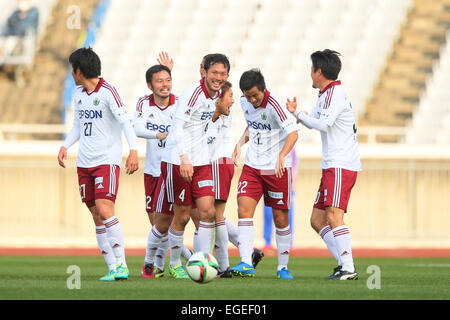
(409, 64)
(39, 100)
(431, 118)
(276, 36)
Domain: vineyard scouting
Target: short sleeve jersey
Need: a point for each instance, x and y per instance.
(217, 137)
(340, 142)
(99, 115)
(157, 119)
(194, 110)
(269, 125)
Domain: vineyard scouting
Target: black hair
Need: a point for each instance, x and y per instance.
(328, 61)
(155, 69)
(87, 61)
(214, 58)
(251, 78)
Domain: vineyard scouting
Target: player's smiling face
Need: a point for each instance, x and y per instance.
(226, 102)
(254, 96)
(161, 84)
(215, 77)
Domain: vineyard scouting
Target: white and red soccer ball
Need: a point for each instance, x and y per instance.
(202, 267)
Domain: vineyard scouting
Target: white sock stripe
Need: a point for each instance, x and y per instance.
(220, 223)
(100, 231)
(324, 231)
(245, 223)
(341, 232)
(175, 232)
(156, 233)
(207, 225)
(283, 232)
(111, 223)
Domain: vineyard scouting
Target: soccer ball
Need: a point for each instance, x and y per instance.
(202, 267)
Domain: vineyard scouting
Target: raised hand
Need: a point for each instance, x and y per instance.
(165, 60)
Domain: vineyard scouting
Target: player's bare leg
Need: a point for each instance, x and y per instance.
(151, 217)
(335, 218)
(102, 240)
(283, 236)
(114, 233)
(319, 223)
(206, 230)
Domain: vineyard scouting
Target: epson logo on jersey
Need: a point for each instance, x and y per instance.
(207, 115)
(259, 125)
(90, 114)
(155, 127)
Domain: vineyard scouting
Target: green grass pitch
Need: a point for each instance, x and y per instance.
(36, 277)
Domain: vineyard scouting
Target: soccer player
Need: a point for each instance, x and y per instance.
(224, 169)
(99, 119)
(272, 133)
(334, 117)
(217, 141)
(186, 165)
(152, 121)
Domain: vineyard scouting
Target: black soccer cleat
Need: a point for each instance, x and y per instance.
(345, 275)
(225, 274)
(257, 256)
(336, 270)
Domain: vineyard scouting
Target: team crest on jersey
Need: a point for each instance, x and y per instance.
(264, 116)
(96, 101)
(139, 115)
(188, 112)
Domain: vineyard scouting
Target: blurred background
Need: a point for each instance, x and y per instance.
(396, 70)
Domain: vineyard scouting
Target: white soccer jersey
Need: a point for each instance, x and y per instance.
(99, 116)
(340, 142)
(157, 119)
(217, 137)
(269, 126)
(193, 112)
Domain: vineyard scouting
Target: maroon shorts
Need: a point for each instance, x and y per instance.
(160, 203)
(150, 183)
(182, 192)
(101, 182)
(254, 183)
(222, 171)
(335, 188)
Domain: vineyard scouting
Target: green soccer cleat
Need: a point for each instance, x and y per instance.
(122, 272)
(110, 276)
(178, 272)
(159, 273)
